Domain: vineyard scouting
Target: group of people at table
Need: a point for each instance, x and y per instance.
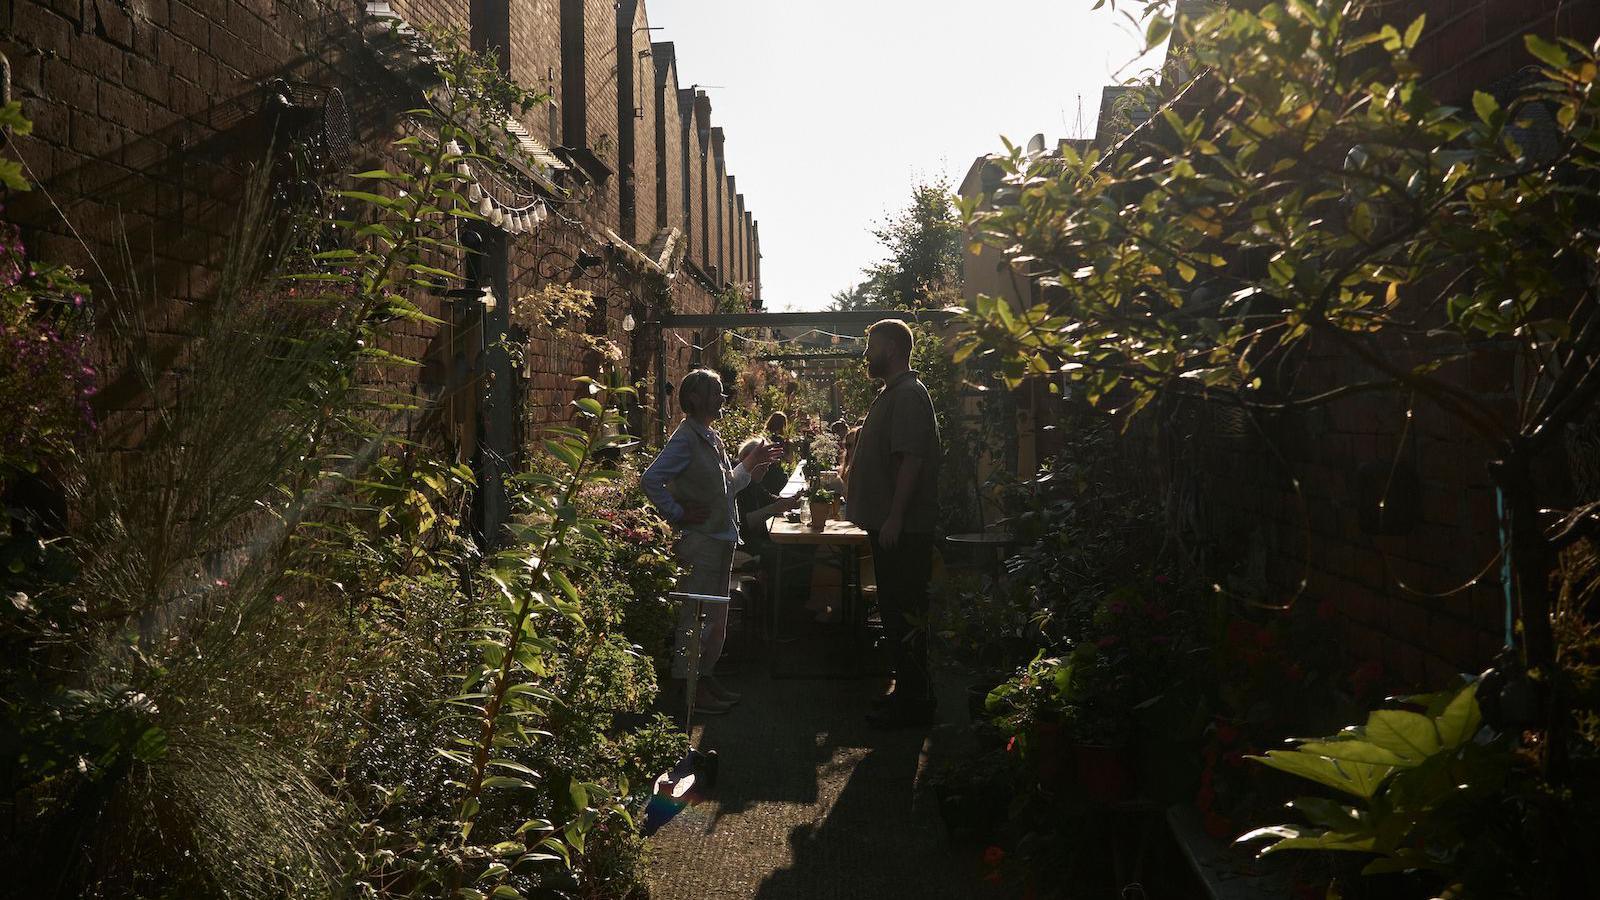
(890, 476)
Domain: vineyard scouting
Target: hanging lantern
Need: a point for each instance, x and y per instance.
(485, 206)
(474, 192)
(497, 218)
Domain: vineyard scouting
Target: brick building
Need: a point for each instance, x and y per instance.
(1295, 502)
(145, 120)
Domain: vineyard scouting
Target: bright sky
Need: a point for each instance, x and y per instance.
(834, 108)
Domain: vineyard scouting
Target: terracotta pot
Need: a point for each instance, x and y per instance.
(820, 514)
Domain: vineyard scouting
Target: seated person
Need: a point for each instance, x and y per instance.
(757, 503)
(777, 474)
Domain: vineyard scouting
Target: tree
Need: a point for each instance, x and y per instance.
(922, 245)
(1304, 191)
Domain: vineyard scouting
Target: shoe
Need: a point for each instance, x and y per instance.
(715, 688)
(711, 707)
(902, 715)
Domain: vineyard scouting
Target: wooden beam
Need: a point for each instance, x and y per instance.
(837, 318)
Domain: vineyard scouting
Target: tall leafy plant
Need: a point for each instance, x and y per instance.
(1304, 193)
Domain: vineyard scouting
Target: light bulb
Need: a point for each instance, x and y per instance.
(474, 192)
(485, 206)
(628, 323)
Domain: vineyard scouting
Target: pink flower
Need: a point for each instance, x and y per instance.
(1162, 579)
(992, 855)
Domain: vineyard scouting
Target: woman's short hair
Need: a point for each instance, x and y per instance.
(696, 390)
(746, 447)
(777, 422)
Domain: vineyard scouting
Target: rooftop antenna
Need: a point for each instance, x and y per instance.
(1078, 131)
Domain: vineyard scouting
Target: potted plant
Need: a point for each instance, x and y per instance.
(824, 506)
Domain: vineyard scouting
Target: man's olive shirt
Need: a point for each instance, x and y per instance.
(900, 420)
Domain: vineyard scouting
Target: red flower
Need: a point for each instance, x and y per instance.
(1011, 745)
(1162, 579)
(1294, 672)
(993, 855)
(1107, 642)
(1226, 733)
(1265, 638)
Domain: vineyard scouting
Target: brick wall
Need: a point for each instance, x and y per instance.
(717, 205)
(699, 128)
(755, 254)
(1472, 43)
(535, 57)
(142, 112)
(1289, 508)
(668, 127)
(636, 99)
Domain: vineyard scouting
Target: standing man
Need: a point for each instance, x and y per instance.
(893, 497)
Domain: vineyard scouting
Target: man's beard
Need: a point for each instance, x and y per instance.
(875, 368)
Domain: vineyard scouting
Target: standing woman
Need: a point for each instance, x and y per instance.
(693, 486)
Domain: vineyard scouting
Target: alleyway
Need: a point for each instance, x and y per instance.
(814, 804)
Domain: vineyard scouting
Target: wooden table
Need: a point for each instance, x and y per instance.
(835, 534)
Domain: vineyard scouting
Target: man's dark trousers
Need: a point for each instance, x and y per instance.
(903, 572)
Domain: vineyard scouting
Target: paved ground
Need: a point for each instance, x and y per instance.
(813, 804)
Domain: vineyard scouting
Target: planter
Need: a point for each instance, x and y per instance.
(821, 513)
(1105, 773)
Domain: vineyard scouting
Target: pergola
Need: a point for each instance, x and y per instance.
(837, 318)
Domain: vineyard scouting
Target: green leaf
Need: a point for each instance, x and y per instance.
(1360, 779)
(1327, 813)
(1295, 838)
(1547, 52)
(506, 781)
(1485, 106)
(1414, 31)
(1411, 735)
(11, 176)
(1461, 719)
(1157, 30)
(151, 745)
(1355, 751)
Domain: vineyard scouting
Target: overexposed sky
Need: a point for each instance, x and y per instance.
(834, 108)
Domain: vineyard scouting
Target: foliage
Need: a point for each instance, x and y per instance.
(1306, 195)
(988, 624)
(922, 246)
(46, 376)
(240, 674)
(1431, 791)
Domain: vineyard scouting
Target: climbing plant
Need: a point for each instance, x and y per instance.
(1303, 192)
